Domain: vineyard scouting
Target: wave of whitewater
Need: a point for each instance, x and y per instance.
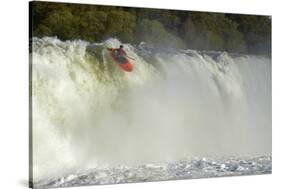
(93, 123)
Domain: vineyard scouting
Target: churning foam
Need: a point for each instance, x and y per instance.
(87, 112)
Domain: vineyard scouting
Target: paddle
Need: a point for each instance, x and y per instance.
(130, 57)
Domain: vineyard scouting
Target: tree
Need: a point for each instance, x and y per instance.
(153, 32)
(92, 25)
(210, 31)
(60, 23)
(121, 24)
(257, 32)
(169, 28)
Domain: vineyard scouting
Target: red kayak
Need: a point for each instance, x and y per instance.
(121, 59)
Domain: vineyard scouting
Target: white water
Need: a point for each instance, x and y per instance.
(89, 113)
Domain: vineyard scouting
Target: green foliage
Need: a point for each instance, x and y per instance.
(214, 32)
(256, 31)
(215, 40)
(60, 23)
(162, 28)
(234, 40)
(121, 24)
(153, 32)
(92, 25)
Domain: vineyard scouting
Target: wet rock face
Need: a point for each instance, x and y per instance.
(183, 169)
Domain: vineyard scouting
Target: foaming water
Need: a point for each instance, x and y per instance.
(89, 113)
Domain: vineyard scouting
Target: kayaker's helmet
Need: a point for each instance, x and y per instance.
(121, 46)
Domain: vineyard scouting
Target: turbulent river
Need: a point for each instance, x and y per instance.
(180, 114)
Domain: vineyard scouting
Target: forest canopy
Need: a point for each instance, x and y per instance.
(162, 28)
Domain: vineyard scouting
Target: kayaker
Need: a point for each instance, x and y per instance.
(121, 51)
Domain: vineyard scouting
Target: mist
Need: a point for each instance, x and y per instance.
(89, 113)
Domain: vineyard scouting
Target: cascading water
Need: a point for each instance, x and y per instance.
(89, 114)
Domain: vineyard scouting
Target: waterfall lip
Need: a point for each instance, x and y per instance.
(141, 47)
